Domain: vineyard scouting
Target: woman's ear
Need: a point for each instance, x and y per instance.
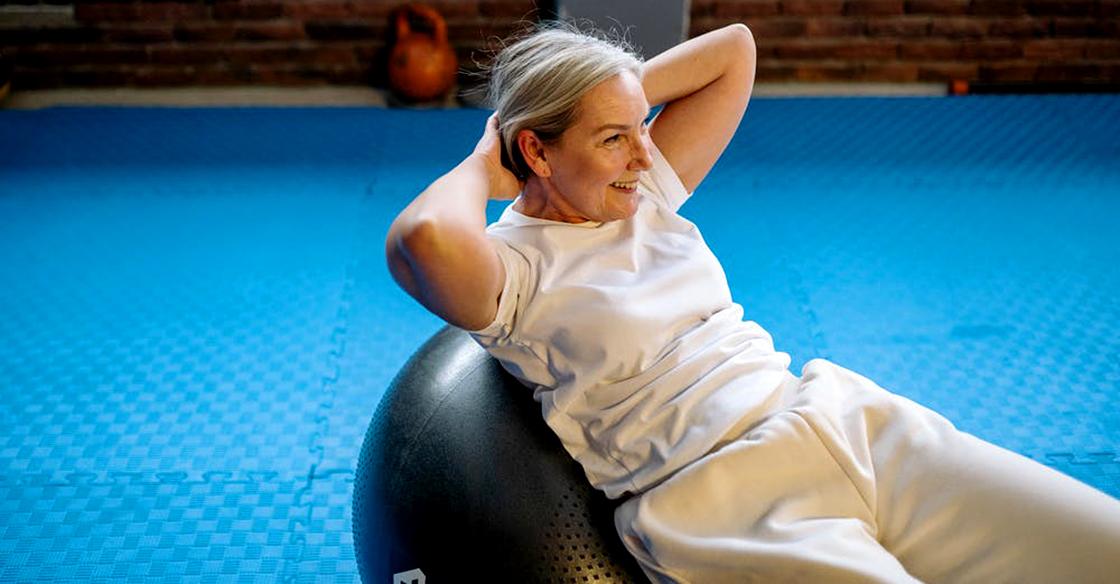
(532, 150)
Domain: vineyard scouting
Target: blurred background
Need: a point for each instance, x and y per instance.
(318, 46)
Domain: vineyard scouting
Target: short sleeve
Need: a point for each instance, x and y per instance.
(513, 291)
(663, 182)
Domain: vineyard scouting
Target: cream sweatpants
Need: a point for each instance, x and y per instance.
(850, 483)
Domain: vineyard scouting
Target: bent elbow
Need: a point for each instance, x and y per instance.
(413, 241)
(744, 38)
(406, 246)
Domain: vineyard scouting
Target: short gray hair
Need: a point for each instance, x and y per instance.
(537, 82)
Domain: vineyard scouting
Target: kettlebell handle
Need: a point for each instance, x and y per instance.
(426, 14)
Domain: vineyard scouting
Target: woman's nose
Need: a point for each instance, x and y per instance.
(642, 160)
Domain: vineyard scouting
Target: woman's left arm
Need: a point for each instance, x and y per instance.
(705, 83)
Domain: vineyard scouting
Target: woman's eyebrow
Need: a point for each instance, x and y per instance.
(612, 127)
(620, 126)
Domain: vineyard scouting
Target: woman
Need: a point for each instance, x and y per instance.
(597, 294)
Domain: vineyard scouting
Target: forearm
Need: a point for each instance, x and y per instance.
(457, 200)
(441, 227)
(698, 62)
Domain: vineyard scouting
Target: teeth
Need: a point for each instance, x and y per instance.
(624, 185)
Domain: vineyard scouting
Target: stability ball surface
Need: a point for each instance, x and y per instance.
(460, 478)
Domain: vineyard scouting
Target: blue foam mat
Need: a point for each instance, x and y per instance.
(198, 322)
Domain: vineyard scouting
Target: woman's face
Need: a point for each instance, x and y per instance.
(596, 163)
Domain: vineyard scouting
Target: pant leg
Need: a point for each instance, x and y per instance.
(951, 507)
(774, 506)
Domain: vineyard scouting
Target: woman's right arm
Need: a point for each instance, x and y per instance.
(437, 248)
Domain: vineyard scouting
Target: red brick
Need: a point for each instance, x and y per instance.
(162, 76)
(869, 49)
(279, 53)
(991, 50)
(319, 10)
(273, 75)
(345, 30)
(190, 32)
(476, 30)
(940, 7)
(374, 10)
(104, 12)
(283, 74)
(1023, 27)
(778, 28)
(346, 76)
(1075, 72)
(171, 11)
(1102, 49)
(893, 72)
(902, 27)
(958, 27)
(450, 9)
(930, 50)
(746, 8)
(803, 49)
(1001, 8)
(813, 7)
(1047, 49)
(772, 71)
(1007, 72)
(1109, 71)
(100, 76)
(249, 53)
(1062, 7)
(67, 35)
(278, 30)
(171, 54)
(874, 7)
(1087, 27)
(835, 27)
(139, 33)
(25, 78)
(701, 9)
(366, 52)
(700, 26)
(765, 51)
(248, 10)
(222, 74)
(508, 8)
(139, 11)
(854, 50)
(827, 72)
(78, 55)
(948, 71)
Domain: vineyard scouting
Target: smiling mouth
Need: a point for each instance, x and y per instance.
(629, 186)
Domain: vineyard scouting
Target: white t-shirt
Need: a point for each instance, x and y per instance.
(628, 335)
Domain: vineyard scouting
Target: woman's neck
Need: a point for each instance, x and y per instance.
(540, 199)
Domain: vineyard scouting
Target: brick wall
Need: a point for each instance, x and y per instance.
(992, 41)
(300, 42)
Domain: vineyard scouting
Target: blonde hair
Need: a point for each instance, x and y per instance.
(536, 83)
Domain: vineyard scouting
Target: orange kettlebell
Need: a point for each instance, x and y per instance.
(421, 66)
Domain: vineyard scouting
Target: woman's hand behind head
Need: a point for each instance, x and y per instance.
(503, 183)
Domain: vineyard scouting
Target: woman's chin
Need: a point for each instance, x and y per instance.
(625, 207)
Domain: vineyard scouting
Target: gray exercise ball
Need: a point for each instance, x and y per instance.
(460, 480)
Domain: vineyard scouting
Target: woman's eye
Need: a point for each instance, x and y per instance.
(613, 138)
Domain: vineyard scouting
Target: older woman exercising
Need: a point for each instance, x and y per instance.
(599, 296)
